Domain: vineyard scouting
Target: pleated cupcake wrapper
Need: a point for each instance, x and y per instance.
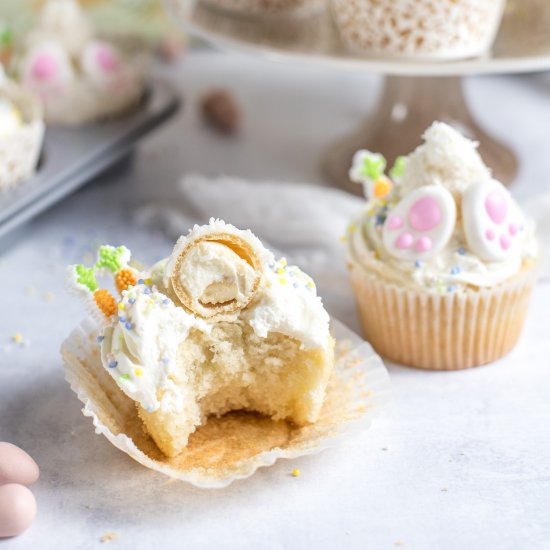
(442, 331)
(237, 444)
(19, 151)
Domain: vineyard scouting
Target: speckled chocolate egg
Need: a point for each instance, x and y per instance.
(16, 466)
(17, 509)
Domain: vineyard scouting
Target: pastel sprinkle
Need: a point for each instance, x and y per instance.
(113, 364)
(122, 319)
(129, 326)
(138, 372)
(451, 288)
(124, 377)
(141, 282)
(166, 301)
(418, 264)
(456, 270)
(296, 473)
(131, 301)
(147, 291)
(282, 280)
(121, 306)
(462, 251)
(18, 338)
(100, 339)
(148, 281)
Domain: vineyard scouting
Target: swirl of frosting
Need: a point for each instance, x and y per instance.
(215, 270)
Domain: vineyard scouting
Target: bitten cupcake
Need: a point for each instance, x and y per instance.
(21, 133)
(444, 29)
(269, 7)
(442, 260)
(79, 76)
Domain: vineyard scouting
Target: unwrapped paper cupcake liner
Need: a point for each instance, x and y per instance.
(445, 29)
(20, 150)
(235, 445)
(442, 331)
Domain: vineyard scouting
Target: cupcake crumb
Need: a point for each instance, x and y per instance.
(221, 111)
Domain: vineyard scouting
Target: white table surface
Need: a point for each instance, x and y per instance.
(460, 460)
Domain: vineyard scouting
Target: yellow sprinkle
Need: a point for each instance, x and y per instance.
(121, 306)
(343, 239)
(283, 261)
(311, 284)
(138, 372)
(148, 281)
(280, 271)
(17, 338)
(351, 228)
(282, 280)
(295, 473)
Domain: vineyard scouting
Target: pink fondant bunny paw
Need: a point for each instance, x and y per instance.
(48, 67)
(101, 62)
(421, 224)
(492, 221)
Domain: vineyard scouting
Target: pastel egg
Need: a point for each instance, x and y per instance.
(16, 466)
(17, 509)
(421, 224)
(492, 221)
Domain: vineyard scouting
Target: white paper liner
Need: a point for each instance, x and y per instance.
(19, 151)
(448, 331)
(441, 29)
(358, 391)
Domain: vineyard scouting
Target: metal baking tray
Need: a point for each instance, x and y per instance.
(72, 157)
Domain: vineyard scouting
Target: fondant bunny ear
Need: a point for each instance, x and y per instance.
(48, 66)
(421, 224)
(492, 221)
(217, 273)
(101, 62)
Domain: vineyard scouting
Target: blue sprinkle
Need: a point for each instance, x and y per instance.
(141, 282)
(122, 319)
(100, 339)
(461, 251)
(132, 301)
(451, 288)
(456, 270)
(165, 360)
(113, 364)
(147, 291)
(295, 285)
(166, 301)
(418, 264)
(128, 326)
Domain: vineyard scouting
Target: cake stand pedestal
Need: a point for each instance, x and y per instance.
(407, 106)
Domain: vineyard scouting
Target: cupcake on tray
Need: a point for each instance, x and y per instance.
(442, 260)
(269, 7)
(418, 29)
(21, 132)
(79, 76)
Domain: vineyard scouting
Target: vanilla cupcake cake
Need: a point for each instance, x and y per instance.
(79, 76)
(218, 326)
(21, 133)
(442, 260)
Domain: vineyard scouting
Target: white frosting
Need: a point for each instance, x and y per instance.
(445, 158)
(451, 161)
(140, 347)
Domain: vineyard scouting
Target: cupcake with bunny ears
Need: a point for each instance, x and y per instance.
(442, 260)
(79, 77)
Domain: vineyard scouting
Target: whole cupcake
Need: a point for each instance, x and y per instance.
(21, 133)
(269, 7)
(446, 29)
(79, 77)
(442, 260)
